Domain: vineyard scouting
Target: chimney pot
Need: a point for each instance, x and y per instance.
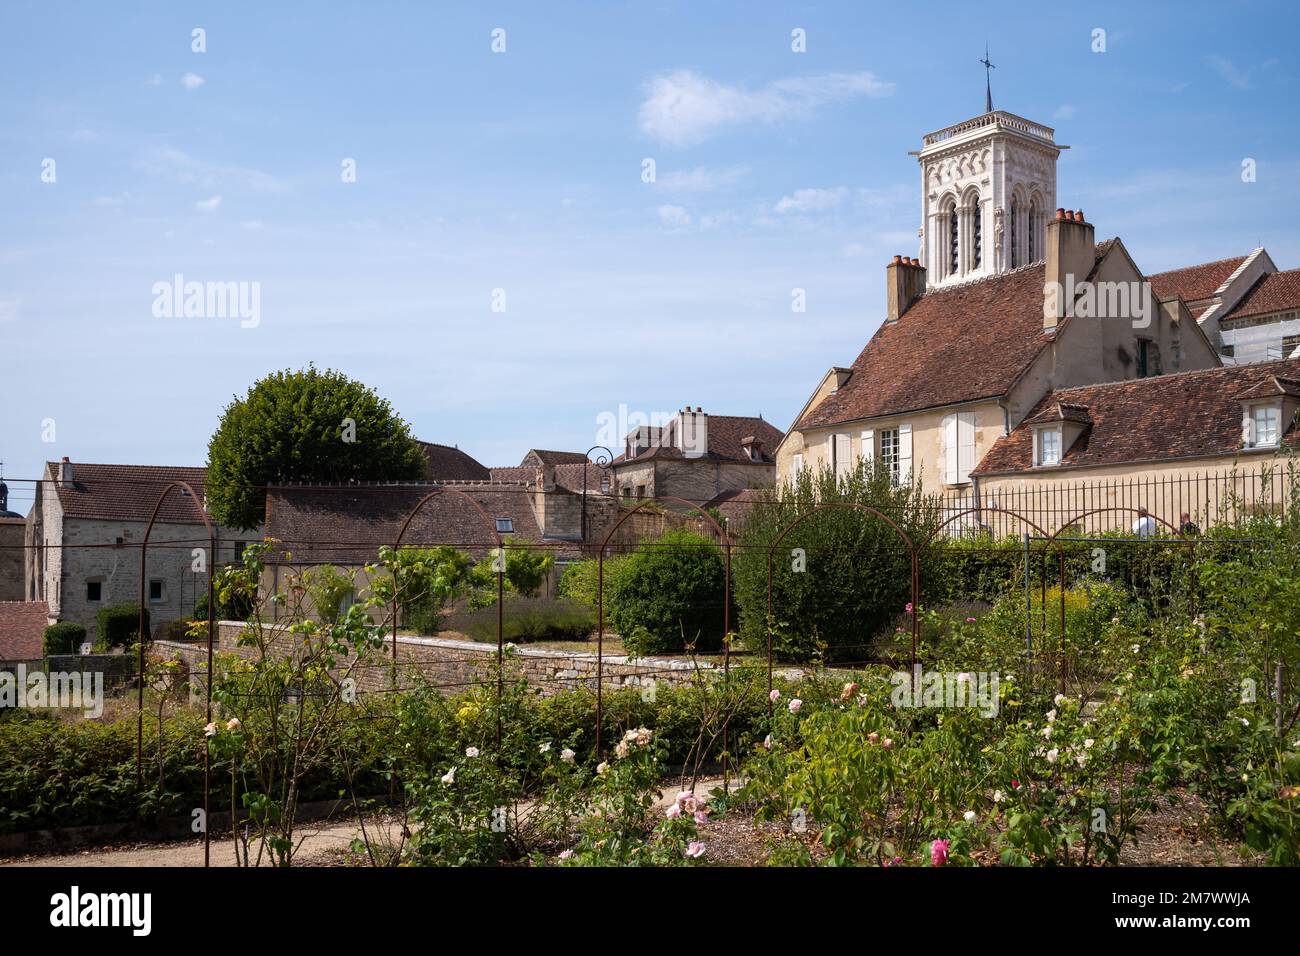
(898, 259)
(1060, 214)
(1078, 215)
(904, 281)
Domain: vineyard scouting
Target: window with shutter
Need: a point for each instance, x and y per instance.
(948, 436)
(965, 446)
(904, 452)
(843, 454)
(869, 446)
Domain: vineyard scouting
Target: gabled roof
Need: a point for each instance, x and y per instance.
(546, 457)
(1270, 386)
(1184, 415)
(1194, 283)
(726, 435)
(446, 463)
(1061, 412)
(957, 344)
(1274, 292)
(129, 492)
(22, 630)
(347, 524)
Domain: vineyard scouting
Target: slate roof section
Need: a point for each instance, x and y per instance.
(347, 524)
(1193, 283)
(446, 463)
(554, 457)
(129, 492)
(1275, 292)
(1184, 415)
(22, 630)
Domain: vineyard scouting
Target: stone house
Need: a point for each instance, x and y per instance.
(697, 457)
(83, 535)
(1005, 304)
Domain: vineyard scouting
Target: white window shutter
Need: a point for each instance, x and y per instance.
(1247, 427)
(869, 446)
(966, 446)
(948, 448)
(843, 454)
(904, 452)
(796, 465)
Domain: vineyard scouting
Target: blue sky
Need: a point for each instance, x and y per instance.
(522, 171)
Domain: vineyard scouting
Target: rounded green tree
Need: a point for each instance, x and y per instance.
(309, 425)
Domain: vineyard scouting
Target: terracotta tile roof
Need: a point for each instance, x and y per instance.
(1194, 282)
(451, 464)
(129, 492)
(347, 524)
(1269, 386)
(726, 434)
(22, 630)
(1061, 412)
(1185, 415)
(554, 457)
(568, 476)
(1275, 292)
(958, 344)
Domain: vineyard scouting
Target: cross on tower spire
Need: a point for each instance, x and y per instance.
(988, 86)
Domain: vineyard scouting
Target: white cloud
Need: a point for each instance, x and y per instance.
(702, 178)
(812, 200)
(183, 168)
(1064, 112)
(684, 106)
(208, 205)
(1230, 74)
(674, 217)
(192, 81)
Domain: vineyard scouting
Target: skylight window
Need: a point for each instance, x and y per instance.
(505, 525)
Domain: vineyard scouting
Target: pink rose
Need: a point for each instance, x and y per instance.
(939, 852)
(695, 850)
(773, 695)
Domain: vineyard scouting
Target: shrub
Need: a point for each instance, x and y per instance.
(328, 588)
(581, 581)
(64, 638)
(528, 619)
(236, 607)
(839, 577)
(118, 626)
(669, 594)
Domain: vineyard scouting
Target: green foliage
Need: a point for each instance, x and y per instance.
(66, 637)
(293, 426)
(328, 588)
(236, 607)
(118, 625)
(668, 595)
(528, 619)
(526, 568)
(841, 575)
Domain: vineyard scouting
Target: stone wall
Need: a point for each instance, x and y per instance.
(11, 559)
(454, 666)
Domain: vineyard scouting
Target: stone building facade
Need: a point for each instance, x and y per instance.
(84, 533)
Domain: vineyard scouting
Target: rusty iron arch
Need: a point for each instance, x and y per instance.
(186, 488)
(501, 568)
(600, 601)
(800, 519)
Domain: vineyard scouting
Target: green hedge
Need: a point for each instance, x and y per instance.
(66, 637)
(118, 626)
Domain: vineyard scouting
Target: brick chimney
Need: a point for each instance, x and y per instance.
(904, 281)
(1071, 252)
(65, 473)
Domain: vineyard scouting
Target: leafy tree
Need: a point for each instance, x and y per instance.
(309, 425)
(328, 588)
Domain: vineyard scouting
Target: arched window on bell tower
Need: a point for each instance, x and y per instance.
(1032, 230)
(1014, 257)
(954, 239)
(976, 235)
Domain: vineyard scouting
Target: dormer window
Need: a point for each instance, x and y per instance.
(1265, 421)
(1047, 446)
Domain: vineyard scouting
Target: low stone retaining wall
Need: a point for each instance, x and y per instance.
(453, 666)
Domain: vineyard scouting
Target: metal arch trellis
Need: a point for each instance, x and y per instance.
(1070, 523)
(1060, 554)
(144, 638)
(600, 609)
(856, 506)
(500, 572)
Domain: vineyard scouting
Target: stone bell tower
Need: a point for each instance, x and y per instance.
(988, 188)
